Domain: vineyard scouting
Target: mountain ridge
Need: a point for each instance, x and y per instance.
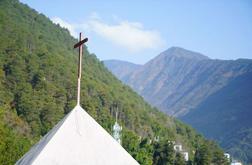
(122, 68)
(168, 65)
(180, 52)
(179, 85)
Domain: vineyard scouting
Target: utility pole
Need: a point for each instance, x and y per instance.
(79, 45)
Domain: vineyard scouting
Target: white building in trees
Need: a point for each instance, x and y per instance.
(179, 148)
(117, 132)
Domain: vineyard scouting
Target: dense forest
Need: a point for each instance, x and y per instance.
(38, 87)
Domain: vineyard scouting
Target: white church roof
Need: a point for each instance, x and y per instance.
(76, 140)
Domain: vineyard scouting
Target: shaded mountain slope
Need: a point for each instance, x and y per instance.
(227, 118)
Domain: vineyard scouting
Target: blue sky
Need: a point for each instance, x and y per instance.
(137, 31)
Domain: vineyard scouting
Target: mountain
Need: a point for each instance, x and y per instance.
(120, 68)
(177, 80)
(38, 82)
(211, 95)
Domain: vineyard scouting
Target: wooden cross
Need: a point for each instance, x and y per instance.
(79, 44)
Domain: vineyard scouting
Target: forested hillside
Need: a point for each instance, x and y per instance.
(38, 87)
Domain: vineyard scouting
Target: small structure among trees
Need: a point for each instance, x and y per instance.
(178, 148)
(117, 131)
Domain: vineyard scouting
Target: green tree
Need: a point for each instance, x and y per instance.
(130, 142)
(12, 145)
(179, 159)
(219, 158)
(144, 155)
(202, 155)
(163, 153)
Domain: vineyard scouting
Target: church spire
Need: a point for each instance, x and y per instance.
(117, 130)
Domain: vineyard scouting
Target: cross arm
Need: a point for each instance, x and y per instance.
(80, 43)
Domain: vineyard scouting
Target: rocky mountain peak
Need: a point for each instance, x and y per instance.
(177, 52)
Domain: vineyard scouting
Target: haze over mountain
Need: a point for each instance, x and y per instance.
(121, 68)
(211, 95)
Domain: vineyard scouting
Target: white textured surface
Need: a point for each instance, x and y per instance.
(77, 139)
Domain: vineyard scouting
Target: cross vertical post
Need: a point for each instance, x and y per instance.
(79, 44)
